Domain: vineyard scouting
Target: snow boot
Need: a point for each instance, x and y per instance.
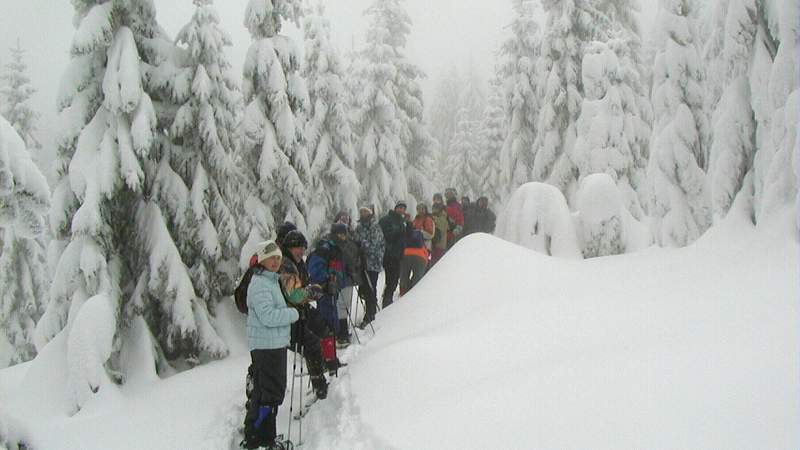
(343, 336)
(320, 386)
(365, 322)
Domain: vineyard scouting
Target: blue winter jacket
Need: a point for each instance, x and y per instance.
(268, 317)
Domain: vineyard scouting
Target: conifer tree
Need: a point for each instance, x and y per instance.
(203, 130)
(334, 186)
(272, 152)
(494, 129)
(676, 171)
(464, 164)
(15, 95)
(24, 198)
(521, 97)
(120, 289)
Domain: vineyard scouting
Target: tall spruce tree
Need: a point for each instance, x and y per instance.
(272, 151)
(120, 289)
(24, 198)
(464, 164)
(378, 119)
(333, 185)
(494, 129)
(521, 97)
(15, 95)
(676, 171)
(203, 132)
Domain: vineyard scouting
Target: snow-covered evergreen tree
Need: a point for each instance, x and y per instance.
(521, 97)
(24, 198)
(676, 171)
(494, 130)
(272, 152)
(464, 164)
(15, 95)
(613, 128)
(394, 145)
(333, 185)
(444, 118)
(120, 289)
(202, 172)
(775, 182)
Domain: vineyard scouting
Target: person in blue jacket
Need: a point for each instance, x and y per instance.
(269, 321)
(326, 268)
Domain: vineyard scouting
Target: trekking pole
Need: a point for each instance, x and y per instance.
(302, 397)
(352, 324)
(372, 327)
(291, 395)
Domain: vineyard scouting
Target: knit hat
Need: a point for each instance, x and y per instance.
(283, 230)
(294, 239)
(366, 209)
(267, 249)
(338, 228)
(400, 204)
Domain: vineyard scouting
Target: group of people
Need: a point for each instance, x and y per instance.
(282, 285)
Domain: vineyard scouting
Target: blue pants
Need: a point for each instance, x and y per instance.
(328, 310)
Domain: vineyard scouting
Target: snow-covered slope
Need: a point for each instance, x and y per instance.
(501, 347)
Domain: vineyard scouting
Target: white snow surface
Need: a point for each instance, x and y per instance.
(503, 347)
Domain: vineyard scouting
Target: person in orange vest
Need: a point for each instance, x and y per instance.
(415, 261)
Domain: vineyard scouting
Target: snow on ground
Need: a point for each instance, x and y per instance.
(501, 347)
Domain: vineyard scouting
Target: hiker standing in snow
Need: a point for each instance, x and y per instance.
(424, 223)
(456, 215)
(415, 261)
(268, 331)
(326, 267)
(310, 334)
(394, 225)
(483, 219)
(351, 254)
(369, 236)
(439, 242)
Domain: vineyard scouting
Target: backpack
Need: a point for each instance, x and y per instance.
(240, 293)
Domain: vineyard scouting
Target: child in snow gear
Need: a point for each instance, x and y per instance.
(394, 225)
(415, 261)
(268, 332)
(369, 236)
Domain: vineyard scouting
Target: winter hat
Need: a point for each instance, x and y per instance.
(366, 209)
(268, 249)
(338, 228)
(294, 239)
(283, 230)
(340, 215)
(400, 204)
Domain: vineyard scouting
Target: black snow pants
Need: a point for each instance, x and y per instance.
(266, 387)
(306, 335)
(392, 268)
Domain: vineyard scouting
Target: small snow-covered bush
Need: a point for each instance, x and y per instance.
(537, 217)
(600, 221)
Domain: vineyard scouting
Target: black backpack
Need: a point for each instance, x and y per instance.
(240, 293)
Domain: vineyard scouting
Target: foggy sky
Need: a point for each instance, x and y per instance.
(445, 33)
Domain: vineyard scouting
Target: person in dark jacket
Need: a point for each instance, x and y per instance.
(394, 225)
(309, 332)
(326, 267)
(351, 253)
(269, 321)
(370, 238)
(483, 219)
(415, 261)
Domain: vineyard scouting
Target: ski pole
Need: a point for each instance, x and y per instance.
(302, 397)
(291, 395)
(352, 324)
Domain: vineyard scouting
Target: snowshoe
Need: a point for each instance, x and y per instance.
(320, 386)
(365, 322)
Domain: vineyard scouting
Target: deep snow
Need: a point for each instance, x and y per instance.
(501, 347)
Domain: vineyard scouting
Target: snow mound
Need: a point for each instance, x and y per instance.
(537, 217)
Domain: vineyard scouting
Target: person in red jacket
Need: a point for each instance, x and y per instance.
(456, 215)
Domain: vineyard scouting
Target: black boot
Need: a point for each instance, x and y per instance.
(343, 337)
(366, 321)
(320, 386)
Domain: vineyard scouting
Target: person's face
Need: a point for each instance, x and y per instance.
(341, 237)
(273, 263)
(465, 200)
(483, 203)
(420, 209)
(437, 199)
(364, 215)
(345, 220)
(297, 253)
(450, 195)
(400, 210)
